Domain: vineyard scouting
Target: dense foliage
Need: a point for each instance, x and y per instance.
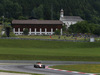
(50, 9)
(85, 27)
(57, 32)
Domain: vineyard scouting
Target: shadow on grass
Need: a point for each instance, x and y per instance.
(52, 58)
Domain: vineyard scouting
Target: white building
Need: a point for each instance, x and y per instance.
(69, 20)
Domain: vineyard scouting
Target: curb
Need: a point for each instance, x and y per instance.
(47, 67)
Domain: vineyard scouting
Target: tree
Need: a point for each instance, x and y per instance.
(38, 12)
(64, 27)
(1, 10)
(22, 18)
(82, 27)
(97, 31)
(17, 10)
(42, 9)
(26, 31)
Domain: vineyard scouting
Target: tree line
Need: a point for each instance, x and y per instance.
(50, 9)
(85, 27)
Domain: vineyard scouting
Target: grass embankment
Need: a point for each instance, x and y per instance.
(87, 68)
(49, 50)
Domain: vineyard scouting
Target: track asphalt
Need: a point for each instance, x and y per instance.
(27, 66)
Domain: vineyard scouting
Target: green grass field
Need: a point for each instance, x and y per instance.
(87, 68)
(49, 50)
(19, 72)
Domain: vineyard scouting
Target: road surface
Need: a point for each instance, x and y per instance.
(27, 66)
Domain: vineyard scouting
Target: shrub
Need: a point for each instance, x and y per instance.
(57, 32)
(12, 34)
(25, 32)
(4, 35)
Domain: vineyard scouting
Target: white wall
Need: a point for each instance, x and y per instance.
(35, 32)
(68, 23)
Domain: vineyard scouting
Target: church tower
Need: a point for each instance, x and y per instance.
(62, 13)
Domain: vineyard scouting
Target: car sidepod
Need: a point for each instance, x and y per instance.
(39, 66)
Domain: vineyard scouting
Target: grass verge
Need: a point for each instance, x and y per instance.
(87, 68)
(57, 37)
(19, 72)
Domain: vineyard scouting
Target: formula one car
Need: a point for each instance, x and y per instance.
(39, 65)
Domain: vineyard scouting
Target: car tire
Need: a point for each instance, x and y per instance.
(35, 66)
(43, 66)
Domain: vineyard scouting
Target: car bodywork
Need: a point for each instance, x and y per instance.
(39, 65)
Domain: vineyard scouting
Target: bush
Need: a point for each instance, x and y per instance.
(25, 32)
(12, 34)
(4, 35)
(57, 32)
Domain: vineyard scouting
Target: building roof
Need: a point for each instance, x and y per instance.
(37, 22)
(71, 18)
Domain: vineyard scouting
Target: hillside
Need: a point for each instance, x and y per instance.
(50, 9)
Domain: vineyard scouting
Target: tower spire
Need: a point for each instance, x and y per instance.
(62, 13)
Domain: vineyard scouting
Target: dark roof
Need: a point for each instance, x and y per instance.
(37, 22)
(71, 18)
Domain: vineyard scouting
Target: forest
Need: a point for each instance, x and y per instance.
(50, 9)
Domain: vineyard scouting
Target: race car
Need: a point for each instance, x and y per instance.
(39, 65)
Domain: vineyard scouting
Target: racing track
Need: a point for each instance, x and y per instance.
(27, 66)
